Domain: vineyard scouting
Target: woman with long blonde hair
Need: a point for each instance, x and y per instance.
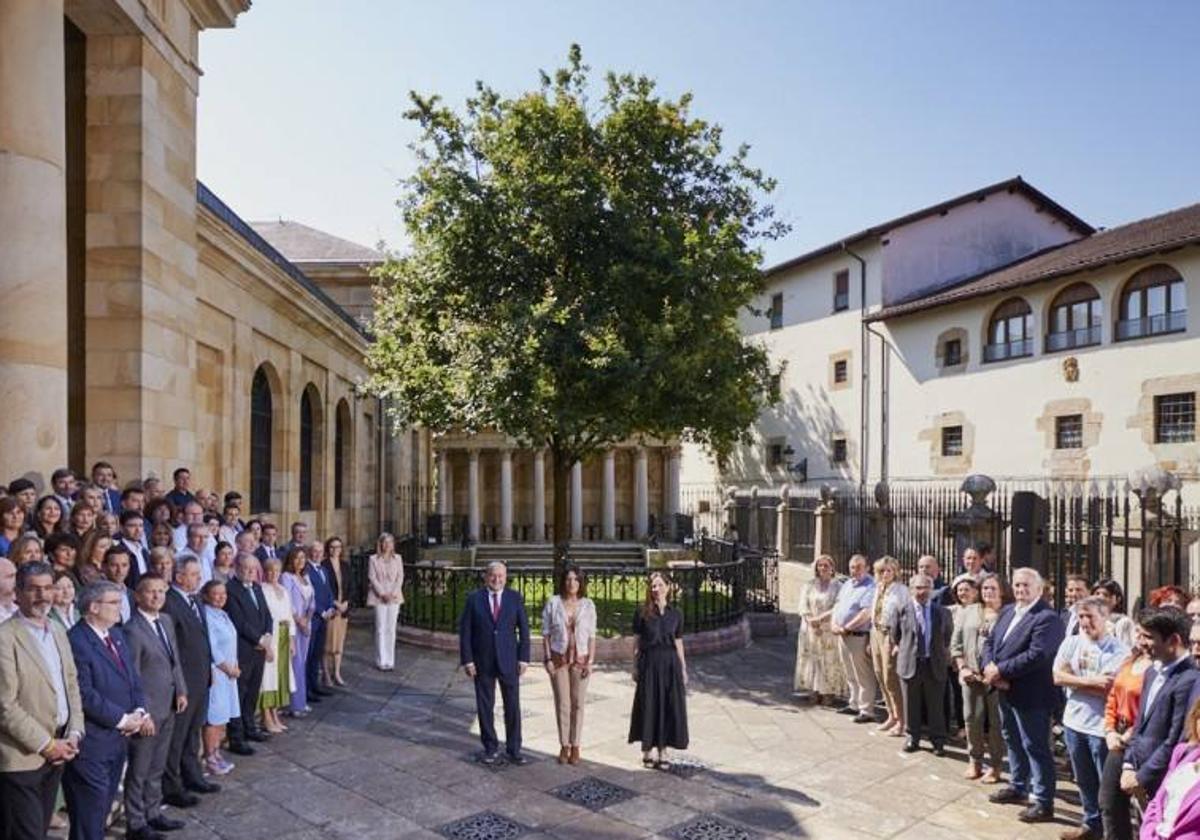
(385, 574)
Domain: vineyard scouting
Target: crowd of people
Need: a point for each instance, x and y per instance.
(148, 634)
(989, 656)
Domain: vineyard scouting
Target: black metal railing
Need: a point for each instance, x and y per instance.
(1008, 350)
(1068, 339)
(710, 596)
(1168, 322)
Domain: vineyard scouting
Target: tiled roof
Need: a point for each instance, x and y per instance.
(1142, 238)
(208, 199)
(1017, 184)
(303, 244)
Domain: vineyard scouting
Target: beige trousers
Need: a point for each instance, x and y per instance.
(885, 671)
(856, 661)
(570, 694)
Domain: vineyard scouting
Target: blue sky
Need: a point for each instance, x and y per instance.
(861, 110)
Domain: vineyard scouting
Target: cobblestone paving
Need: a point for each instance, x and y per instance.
(390, 757)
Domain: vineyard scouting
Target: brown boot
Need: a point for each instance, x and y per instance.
(563, 755)
(574, 758)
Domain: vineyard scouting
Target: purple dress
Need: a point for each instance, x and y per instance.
(303, 606)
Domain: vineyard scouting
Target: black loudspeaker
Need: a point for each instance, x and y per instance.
(1030, 523)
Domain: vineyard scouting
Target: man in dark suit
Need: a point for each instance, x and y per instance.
(267, 550)
(921, 639)
(1166, 690)
(323, 603)
(113, 705)
(183, 776)
(247, 608)
(154, 649)
(105, 477)
(493, 642)
(1018, 660)
(299, 538)
(133, 537)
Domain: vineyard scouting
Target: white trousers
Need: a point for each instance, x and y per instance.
(386, 616)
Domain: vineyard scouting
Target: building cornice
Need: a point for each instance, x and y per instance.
(217, 14)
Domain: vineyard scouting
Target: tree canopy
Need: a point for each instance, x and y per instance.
(576, 272)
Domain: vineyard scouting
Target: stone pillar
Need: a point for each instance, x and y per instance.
(506, 495)
(825, 523)
(783, 523)
(641, 494)
(577, 501)
(473, 494)
(671, 502)
(33, 238)
(608, 518)
(445, 487)
(539, 495)
(751, 535)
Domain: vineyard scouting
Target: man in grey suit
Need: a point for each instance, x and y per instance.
(154, 648)
(921, 632)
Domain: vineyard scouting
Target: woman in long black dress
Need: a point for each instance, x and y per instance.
(659, 703)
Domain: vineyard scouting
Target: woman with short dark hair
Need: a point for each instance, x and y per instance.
(12, 522)
(569, 649)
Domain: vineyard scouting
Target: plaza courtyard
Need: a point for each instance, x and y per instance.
(392, 756)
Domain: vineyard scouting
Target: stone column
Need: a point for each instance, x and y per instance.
(783, 522)
(671, 503)
(539, 495)
(473, 494)
(641, 494)
(506, 495)
(33, 238)
(608, 517)
(445, 487)
(577, 501)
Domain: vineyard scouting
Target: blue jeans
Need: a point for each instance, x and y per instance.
(1030, 762)
(1088, 753)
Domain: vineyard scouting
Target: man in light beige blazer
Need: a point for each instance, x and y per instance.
(41, 715)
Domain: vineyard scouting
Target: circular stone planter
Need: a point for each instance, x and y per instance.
(618, 649)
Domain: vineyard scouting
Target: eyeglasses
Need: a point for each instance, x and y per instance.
(110, 603)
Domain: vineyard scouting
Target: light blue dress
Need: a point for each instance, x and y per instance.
(223, 693)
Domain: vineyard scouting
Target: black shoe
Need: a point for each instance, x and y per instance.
(911, 747)
(847, 710)
(204, 786)
(1008, 796)
(863, 717)
(181, 800)
(161, 823)
(1037, 812)
(939, 750)
(489, 758)
(146, 833)
(313, 698)
(518, 760)
(241, 749)
(258, 735)
(323, 692)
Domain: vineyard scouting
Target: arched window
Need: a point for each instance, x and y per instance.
(1153, 302)
(261, 421)
(306, 451)
(1010, 332)
(341, 453)
(1074, 318)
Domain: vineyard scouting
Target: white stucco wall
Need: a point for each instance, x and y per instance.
(969, 239)
(1003, 401)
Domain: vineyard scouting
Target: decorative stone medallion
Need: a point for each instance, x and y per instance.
(593, 793)
(486, 825)
(708, 827)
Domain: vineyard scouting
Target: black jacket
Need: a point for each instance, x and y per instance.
(250, 621)
(191, 633)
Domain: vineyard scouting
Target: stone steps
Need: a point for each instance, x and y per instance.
(536, 554)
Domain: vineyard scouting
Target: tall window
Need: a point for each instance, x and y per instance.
(1074, 318)
(841, 370)
(306, 451)
(841, 290)
(341, 441)
(952, 352)
(1175, 418)
(1010, 332)
(1068, 431)
(776, 312)
(952, 440)
(838, 456)
(262, 419)
(1153, 302)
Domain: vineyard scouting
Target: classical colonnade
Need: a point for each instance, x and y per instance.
(611, 497)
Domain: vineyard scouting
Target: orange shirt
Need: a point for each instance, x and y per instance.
(1121, 708)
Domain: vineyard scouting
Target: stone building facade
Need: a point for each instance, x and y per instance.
(146, 324)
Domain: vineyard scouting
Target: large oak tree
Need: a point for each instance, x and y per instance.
(576, 273)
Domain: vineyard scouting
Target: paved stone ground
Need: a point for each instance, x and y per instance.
(392, 757)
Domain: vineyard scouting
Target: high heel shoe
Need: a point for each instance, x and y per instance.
(574, 756)
(563, 755)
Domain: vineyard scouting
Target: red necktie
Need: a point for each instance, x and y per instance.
(495, 606)
(112, 651)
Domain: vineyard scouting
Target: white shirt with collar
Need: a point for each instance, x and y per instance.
(1019, 612)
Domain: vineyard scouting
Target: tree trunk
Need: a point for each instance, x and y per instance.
(562, 511)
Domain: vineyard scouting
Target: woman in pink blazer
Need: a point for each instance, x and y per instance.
(1174, 813)
(385, 573)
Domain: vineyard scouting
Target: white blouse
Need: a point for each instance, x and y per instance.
(554, 625)
(1178, 783)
